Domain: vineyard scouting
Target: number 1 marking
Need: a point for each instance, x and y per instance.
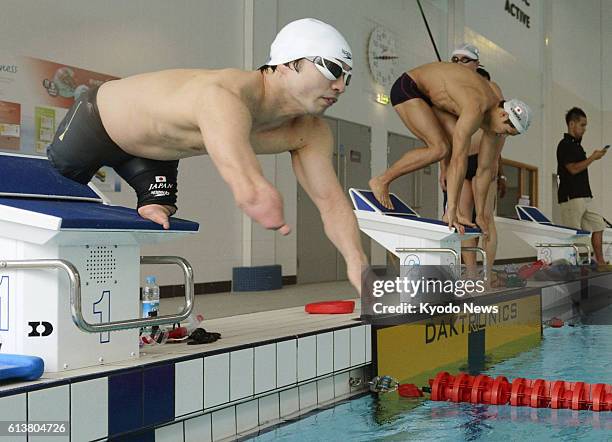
(102, 308)
(4, 303)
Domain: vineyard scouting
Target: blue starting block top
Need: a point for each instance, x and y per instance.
(33, 177)
(366, 201)
(88, 215)
(533, 214)
(529, 213)
(32, 184)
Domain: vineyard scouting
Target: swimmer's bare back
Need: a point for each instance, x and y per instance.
(451, 87)
(155, 115)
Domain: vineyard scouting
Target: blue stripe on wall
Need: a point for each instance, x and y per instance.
(158, 394)
(125, 402)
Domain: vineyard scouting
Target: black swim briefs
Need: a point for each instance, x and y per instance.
(81, 146)
(405, 89)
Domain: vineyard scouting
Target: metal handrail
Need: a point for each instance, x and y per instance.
(485, 259)
(76, 306)
(431, 250)
(560, 245)
(59, 264)
(588, 248)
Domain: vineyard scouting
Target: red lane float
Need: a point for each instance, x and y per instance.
(538, 393)
(556, 323)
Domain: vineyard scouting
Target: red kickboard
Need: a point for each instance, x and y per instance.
(330, 307)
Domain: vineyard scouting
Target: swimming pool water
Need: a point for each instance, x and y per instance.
(579, 353)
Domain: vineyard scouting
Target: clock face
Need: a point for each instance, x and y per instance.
(382, 57)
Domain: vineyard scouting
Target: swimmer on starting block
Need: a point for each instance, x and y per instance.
(429, 99)
(468, 55)
(143, 125)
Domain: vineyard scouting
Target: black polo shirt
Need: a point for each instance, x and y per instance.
(571, 186)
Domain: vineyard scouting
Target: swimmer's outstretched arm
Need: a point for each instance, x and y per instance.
(225, 123)
(313, 168)
(467, 124)
(488, 155)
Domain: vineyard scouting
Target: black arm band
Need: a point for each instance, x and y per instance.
(154, 181)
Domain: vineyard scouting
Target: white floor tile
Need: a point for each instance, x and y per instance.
(289, 402)
(358, 345)
(286, 363)
(170, 433)
(307, 358)
(89, 409)
(241, 374)
(247, 416)
(265, 368)
(51, 404)
(13, 409)
(216, 380)
(342, 349)
(224, 423)
(308, 395)
(188, 387)
(341, 384)
(325, 353)
(198, 429)
(325, 390)
(269, 408)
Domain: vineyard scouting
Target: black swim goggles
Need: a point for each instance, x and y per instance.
(330, 69)
(462, 60)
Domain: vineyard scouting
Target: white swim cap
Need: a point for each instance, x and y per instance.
(467, 50)
(309, 37)
(519, 114)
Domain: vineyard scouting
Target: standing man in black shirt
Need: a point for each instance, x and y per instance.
(574, 189)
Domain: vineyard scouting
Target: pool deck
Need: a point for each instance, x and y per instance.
(268, 366)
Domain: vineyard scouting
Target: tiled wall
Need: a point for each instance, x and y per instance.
(205, 397)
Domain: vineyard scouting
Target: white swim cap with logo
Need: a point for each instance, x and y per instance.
(309, 37)
(519, 113)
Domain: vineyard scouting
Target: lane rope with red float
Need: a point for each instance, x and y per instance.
(521, 392)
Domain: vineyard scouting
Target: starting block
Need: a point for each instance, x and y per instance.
(413, 239)
(551, 241)
(70, 268)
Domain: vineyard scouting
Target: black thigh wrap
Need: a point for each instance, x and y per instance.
(154, 181)
(81, 144)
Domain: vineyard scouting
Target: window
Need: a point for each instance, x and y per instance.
(521, 184)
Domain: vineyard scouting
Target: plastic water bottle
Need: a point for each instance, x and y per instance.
(150, 300)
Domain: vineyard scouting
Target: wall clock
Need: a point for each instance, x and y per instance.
(382, 58)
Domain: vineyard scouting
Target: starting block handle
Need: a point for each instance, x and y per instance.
(57, 264)
(76, 300)
(565, 246)
(77, 313)
(588, 249)
(483, 253)
(443, 250)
